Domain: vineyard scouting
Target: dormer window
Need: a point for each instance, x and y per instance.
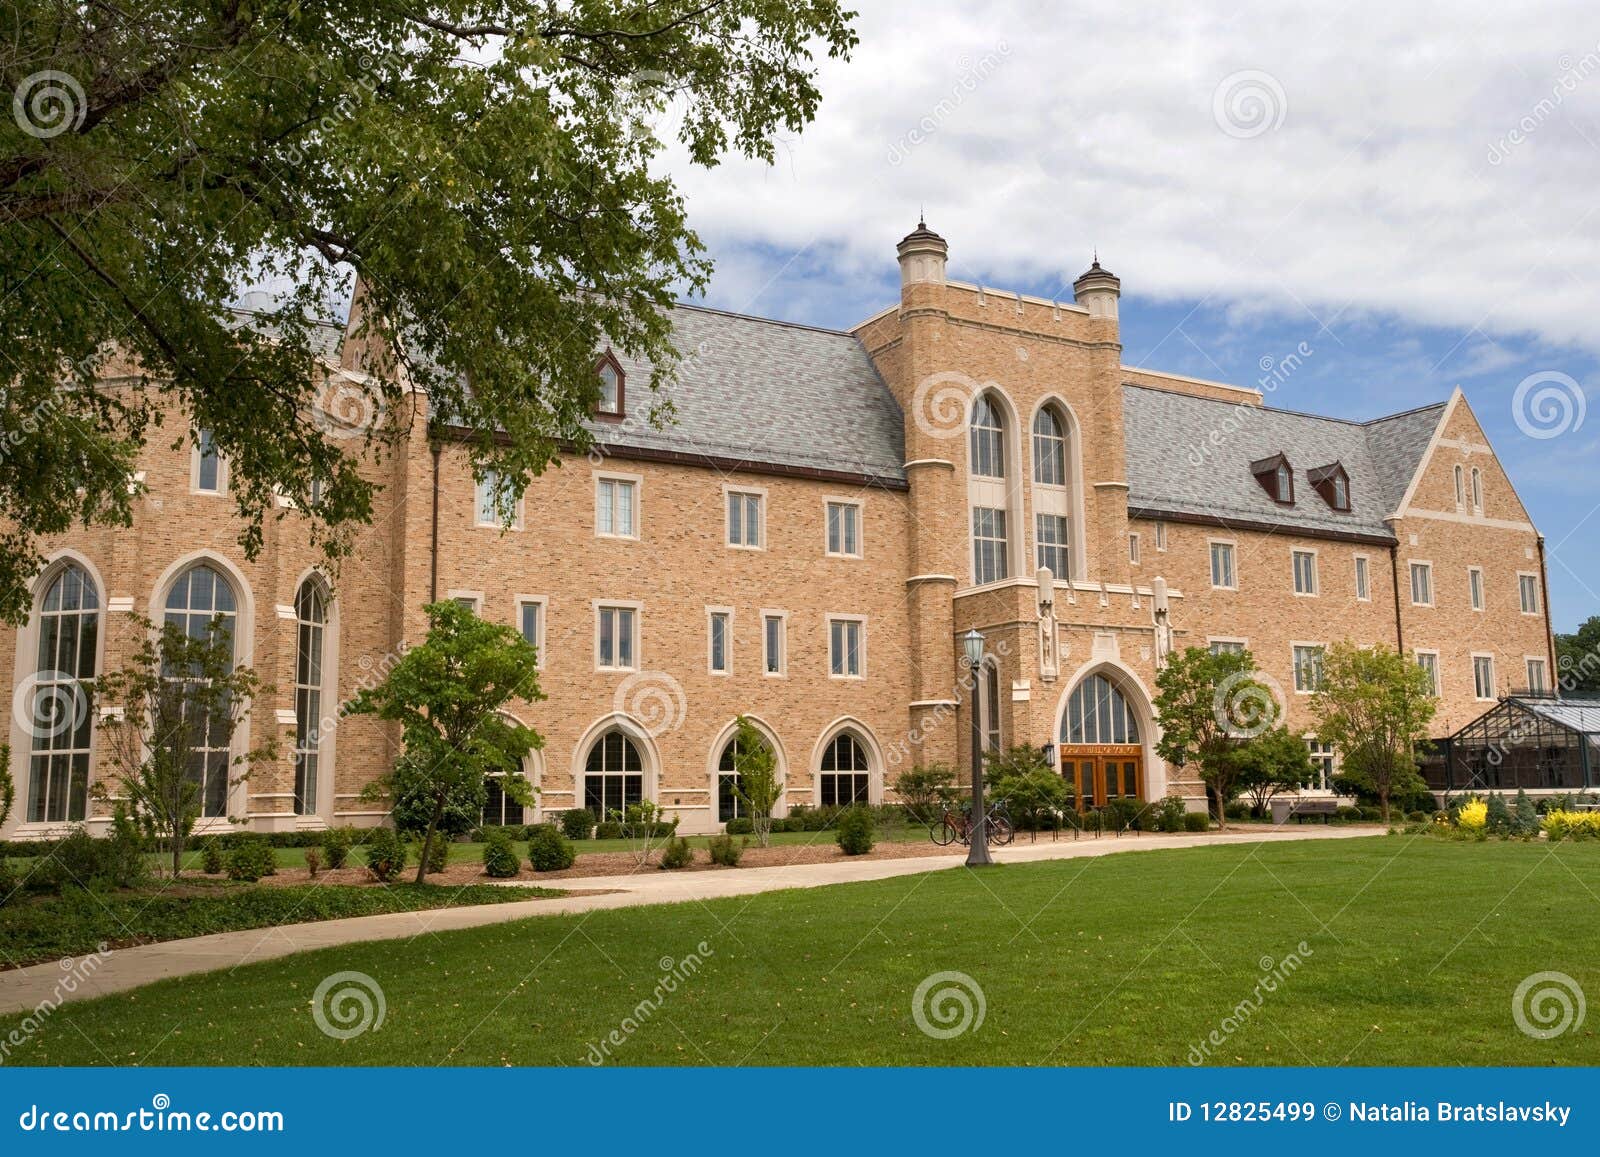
(1333, 484)
(1276, 477)
(609, 371)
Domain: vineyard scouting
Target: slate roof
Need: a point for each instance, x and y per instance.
(1192, 455)
(768, 392)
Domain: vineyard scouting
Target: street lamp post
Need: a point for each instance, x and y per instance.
(978, 853)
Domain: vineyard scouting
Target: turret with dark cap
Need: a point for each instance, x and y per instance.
(922, 255)
(1097, 290)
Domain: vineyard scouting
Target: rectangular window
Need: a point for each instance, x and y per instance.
(1528, 593)
(1222, 574)
(614, 638)
(1322, 761)
(988, 545)
(1536, 676)
(1226, 646)
(844, 648)
(1051, 544)
(1161, 536)
(496, 504)
(1422, 584)
(1429, 662)
(1363, 589)
(844, 529)
(772, 642)
(744, 519)
(467, 602)
(1305, 572)
(208, 465)
(1483, 676)
(1475, 587)
(615, 508)
(1133, 550)
(719, 642)
(1307, 667)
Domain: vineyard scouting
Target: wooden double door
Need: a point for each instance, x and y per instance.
(1098, 773)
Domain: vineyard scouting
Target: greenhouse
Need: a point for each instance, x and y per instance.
(1541, 744)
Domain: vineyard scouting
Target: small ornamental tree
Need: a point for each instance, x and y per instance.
(447, 694)
(1211, 706)
(1277, 761)
(925, 791)
(1021, 776)
(1375, 706)
(757, 784)
(178, 695)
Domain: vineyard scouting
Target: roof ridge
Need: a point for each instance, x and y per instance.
(765, 320)
(1406, 413)
(1285, 410)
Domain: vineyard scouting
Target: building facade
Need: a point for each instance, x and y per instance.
(809, 543)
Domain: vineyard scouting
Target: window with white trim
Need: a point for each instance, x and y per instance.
(207, 464)
(1363, 582)
(1307, 667)
(1422, 584)
(1528, 593)
(530, 622)
(1429, 662)
(1161, 536)
(1052, 547)
(616, 508)
(1475, 587)
(1536, 676)
(311, 622)
(1477, 490)
(1049, 449)
(615, 638)
(844, 529)
(1133, 549)
(988, 440)
(200, 601)
(1305, 572)
(844, 776)
(744, 519)
(1226, 646)
(1222, 572)
(844, 648)
(1322, 763)
(59, 713)
(773, 643)
(1483, 676)
(497, 505)
(989, 554)
(719, 642)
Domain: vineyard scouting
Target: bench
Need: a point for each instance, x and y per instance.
(1283, 810)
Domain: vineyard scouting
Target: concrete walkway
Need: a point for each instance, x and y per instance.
(22, 989)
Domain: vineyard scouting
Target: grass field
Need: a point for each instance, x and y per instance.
(1413, 948)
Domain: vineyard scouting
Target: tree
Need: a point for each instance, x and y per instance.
(481, 168)
(1277, 761)
(179, 696)
(756, 784)
(447, 694)
(1211, 706)
(1021, 776)
(8, 787)
(1374, 705)
(1578, 656)
(926, 791)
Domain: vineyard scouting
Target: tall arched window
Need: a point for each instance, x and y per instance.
(845, 774)
(729, 805)
(200, 597)
(1049, 449)
(1098, 713)
(311, 618)
(988, 440)
(1461, 488)
(59, 715)
(613, 775)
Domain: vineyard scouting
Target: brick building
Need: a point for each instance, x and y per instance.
(807, 544)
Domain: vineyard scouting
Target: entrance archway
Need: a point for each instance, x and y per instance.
(1102, 742)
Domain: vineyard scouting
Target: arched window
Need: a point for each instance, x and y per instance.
(1461, 488)
(498, 807)
(729, 805)
(845, 775)
(1097, 713)
(200, 597)
(311, 618)
(1477, 490)
(991, 706)
(59, 716)
(1049, 449)
(613, 775)
(988, 440)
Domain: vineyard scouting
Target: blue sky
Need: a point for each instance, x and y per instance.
(1410, 190)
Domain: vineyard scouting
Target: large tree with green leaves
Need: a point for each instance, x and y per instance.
(448, 693)
(1278, 761)
(1212, 706)
(1578, 656)
(1374, 705)
(483, 166)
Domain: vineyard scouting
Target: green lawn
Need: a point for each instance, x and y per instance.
(1415, 947)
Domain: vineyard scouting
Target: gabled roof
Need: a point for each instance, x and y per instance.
(1193, 456)
(1574, 714)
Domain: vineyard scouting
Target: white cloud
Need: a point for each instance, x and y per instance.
(1047, 129)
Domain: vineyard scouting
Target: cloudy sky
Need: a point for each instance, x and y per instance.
(1413, 190)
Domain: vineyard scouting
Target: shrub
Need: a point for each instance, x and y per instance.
(82, 860)
(740, 826)
(1237, 811)
(577, 823)
(9, 881)
(385, 852)
(438, 852)
(725, 851)
(123, 863)
(250, 860)
(549, 850)
(1346, 814)
(1568, 825)
(337, 842)
(857, 831)
(1473, 816)
(500, 856)
(610, 830)
(1371, 815)
(211, 858)
(1498, 818)
(1123, 815)
(313, 861)
(1196, 822)
(1416, 817)
(1525, 817)
(677, 853)
(1170, 814)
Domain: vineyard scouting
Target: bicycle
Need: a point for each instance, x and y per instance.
(957, 826)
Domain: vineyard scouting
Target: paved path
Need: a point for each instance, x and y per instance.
(25, 988)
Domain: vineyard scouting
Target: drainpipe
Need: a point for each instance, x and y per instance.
(1549, 630)
(433, 566)
(1394, 576)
